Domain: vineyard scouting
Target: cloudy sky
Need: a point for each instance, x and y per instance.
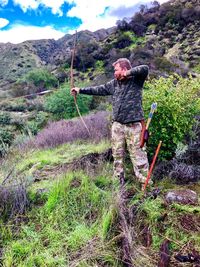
(22, 20)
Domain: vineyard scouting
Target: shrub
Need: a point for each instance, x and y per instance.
(18, 106)
(61, 104)
(13, 200)
(178, 102)
(6, 138)
(99, 65)
(5, 118)
(163, 64)
(60, 132)
(32, 127)
(41, 78)
(123, 41)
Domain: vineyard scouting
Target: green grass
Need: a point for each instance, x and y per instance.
(164, 219)
(60, 155)
(75, 221)
(197, 68)
(72, 217)
(135, 40)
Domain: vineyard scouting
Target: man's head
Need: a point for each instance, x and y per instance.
(120, 66)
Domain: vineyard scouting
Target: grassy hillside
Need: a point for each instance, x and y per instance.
(73, 218)
(59, 202)
(166, 37)
(61, 206)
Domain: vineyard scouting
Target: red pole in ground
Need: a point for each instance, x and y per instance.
(152, 165)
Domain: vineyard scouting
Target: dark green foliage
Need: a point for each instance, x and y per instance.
(6, 138)
(178, 103)
(84, 58)
(5, 118)
(178, 15)
(61, 104)
(163, 64)
(123, 41)
(34, 126)
(18, 106)
(41, 78)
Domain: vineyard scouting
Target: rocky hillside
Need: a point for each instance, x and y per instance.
(166, 37)
(16, 60)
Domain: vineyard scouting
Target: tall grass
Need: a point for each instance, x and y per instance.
(67, 229)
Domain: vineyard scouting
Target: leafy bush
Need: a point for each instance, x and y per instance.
(32, 127)
(41, 78)
(99, 65)
(61, 104)
(5, 118)
(122, 41)
(6, 138)
(163, 64)
(178, 103)
(18, 105)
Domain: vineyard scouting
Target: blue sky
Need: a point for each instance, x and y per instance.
(22, 20)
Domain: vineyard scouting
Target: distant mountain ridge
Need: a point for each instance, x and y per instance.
(166, 37)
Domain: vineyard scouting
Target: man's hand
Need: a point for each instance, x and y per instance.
(74, 91)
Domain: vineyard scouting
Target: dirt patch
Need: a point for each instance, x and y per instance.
(190, 223)
(87, 162)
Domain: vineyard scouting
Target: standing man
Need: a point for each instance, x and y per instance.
(128, 118)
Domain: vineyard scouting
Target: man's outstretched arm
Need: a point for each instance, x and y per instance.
(101, 90)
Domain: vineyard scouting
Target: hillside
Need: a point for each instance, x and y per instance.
(166, 37)
(60, 205)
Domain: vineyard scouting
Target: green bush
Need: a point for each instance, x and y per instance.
(163, 64)
(61, 104)
(5, 118)
(6, 138)
(41, 78)
(178, 103)
(34, 126)
(18, 105)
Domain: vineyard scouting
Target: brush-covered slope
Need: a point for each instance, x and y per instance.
(166, 37)
(61, 207)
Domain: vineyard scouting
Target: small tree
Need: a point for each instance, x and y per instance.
(61, 104)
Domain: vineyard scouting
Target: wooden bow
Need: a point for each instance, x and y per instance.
(72, 83)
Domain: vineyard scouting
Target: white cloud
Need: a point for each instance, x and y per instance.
(3, 22)
(20, 33)
(94, 15)
(33, 4)
(3, 2)
(55, 5)
(26, 4)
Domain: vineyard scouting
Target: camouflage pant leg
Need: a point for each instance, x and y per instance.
(118, 148)
(138, 155)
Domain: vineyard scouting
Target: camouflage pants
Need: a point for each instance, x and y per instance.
(129, 134)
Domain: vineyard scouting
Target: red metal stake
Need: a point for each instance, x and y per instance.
(152, 165)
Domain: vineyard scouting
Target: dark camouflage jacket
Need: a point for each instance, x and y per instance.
(126, 94)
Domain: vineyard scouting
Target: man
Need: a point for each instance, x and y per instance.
(128, 117)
